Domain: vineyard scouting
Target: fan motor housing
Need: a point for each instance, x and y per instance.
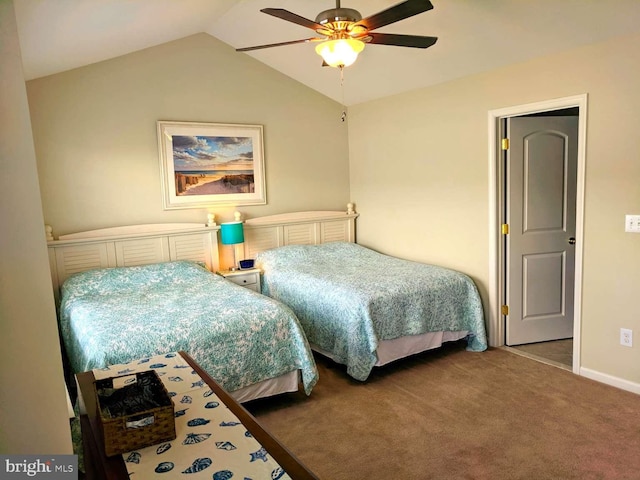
(338, 15)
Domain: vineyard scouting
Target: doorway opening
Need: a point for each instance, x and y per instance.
(553, 351)
(558, 353)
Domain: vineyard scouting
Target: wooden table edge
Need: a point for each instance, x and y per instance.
(281, 454)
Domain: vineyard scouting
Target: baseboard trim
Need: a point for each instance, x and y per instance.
(610, 380)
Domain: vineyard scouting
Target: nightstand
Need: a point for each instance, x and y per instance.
(249, 278)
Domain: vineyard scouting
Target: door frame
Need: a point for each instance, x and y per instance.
(496, 326)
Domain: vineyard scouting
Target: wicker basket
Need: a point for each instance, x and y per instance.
(137, 428)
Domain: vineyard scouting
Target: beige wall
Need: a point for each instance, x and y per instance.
(420, 179)
(96, 143)
(33, 408)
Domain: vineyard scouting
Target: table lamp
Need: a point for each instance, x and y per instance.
(232, 233)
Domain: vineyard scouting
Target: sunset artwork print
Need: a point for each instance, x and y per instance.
(204, 164)
(213, 165)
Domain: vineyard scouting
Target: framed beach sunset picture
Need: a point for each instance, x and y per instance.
(208, 164)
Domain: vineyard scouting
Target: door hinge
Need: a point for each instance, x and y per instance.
(505, 309)
(505, 144)
(505, 229)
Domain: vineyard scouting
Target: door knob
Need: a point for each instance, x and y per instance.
(572, 241)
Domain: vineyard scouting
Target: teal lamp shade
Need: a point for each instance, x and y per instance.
(231, 233)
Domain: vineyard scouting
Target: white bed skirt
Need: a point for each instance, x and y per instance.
(388, 351)
(283, 384)
(391, 350)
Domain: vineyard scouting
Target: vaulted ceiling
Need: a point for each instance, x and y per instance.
(473, 36)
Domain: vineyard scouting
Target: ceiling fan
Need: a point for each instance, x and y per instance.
(345, 32)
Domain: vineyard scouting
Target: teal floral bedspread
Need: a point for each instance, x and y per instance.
(348, 297)
(238, 336)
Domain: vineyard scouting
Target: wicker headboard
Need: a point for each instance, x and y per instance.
(132, 245)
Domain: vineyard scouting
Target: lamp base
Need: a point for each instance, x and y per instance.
(234, 267)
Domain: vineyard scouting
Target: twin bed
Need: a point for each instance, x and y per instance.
(138, 291)
(365, 309)
(239, 337)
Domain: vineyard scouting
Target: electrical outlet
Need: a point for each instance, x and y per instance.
(626, 337)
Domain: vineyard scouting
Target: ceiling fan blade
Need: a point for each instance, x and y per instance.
(414, 41)
(292, 17)
(394, 14)
(292, 42)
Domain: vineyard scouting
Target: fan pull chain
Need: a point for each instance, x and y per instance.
(343, 117)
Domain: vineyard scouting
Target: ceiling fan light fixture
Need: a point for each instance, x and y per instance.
(341, 52)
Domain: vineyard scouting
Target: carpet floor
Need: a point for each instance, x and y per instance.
(453, 414)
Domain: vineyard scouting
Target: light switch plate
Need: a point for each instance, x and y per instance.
(632, 223)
